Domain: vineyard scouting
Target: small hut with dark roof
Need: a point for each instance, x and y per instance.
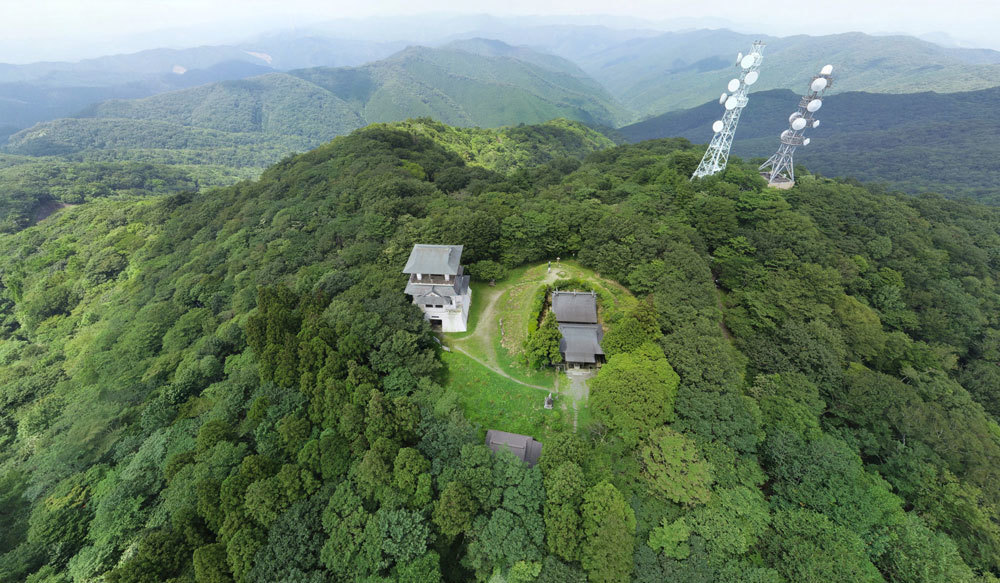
(524, 447)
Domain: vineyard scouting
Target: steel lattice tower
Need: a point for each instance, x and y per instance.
(717, 155)
(779, 170)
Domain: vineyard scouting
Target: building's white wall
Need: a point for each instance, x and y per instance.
(453, 318)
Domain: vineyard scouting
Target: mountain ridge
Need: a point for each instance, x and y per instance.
(652, 75)
(919, 142)
(649, 71)
(455, 86)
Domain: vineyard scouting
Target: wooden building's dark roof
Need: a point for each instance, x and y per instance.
(523, 446)
(575, 307)
(581, 343)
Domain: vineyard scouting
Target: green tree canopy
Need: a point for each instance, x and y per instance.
(634, 392)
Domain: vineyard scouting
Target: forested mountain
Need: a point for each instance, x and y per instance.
(38, 92)
(35, 92)
(506, 86)
(27, 99)
(109, 157)
(253, 122)
(680, 69)
(232, 386)
(919, 142)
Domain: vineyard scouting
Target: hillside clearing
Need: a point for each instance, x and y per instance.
(498, 327)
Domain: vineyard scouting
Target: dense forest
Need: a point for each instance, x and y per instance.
(193, 159)
(230, 385)
(32, 187)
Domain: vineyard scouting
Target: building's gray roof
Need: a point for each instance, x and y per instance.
(575, 307)
(523, 446)
(581, 343)
(432, 299)
(419, 290)
(443, 259)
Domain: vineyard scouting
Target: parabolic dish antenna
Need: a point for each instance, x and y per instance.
(734, 84)
(731, 102)
(751, 77)
(815, 123)
(818, 85)
(794, 117)
(827, 70)
(747, 61)
(785, 134)
(798, 124)
(814, 105)
(805, 142)
(723, 99)
(717, 126)
(739, 56)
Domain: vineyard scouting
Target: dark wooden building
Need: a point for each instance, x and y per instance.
(576, 313)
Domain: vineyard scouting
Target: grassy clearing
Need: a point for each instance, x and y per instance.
(498, 326)
(512, 365)
(496, 402)
(483, 338)
(515, 304)
(496, 336)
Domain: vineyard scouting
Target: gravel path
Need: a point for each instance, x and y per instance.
(578, 391)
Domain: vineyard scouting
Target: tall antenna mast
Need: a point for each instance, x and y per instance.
(717, 155)
(779, 170)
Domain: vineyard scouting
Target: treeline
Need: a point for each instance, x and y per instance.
(231, 386)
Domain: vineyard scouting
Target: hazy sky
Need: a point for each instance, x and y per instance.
(64, 29)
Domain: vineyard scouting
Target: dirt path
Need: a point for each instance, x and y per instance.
(499, 371)
(485, 331)
(578, 391)
(490, 326)
(489, 322)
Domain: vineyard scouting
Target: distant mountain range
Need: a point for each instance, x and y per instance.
(945, 143)
(247, 106)
(469, 83)
(648, 72)
(65, 93)
(678, 70)
(43, 91)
